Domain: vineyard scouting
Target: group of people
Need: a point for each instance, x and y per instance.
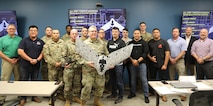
(150, 59)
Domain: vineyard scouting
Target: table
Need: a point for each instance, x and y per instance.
(166, 89)
(29, 88)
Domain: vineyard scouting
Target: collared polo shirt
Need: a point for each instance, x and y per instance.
(177, 46)
(203, 48)
(32, 48)
(9, 45)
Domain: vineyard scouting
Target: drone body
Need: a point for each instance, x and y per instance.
(102, 62)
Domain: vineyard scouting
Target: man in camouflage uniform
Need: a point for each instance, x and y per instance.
(45, 38)
(66, 36)
(90, 76)
(72, 71)
(54, 56)
(101, 36)
(84, 33)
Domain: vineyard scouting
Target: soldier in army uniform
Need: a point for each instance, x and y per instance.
(66, 36)
(72, 71)
(101, 36)
(45, 38)
(90, 76)
(54, 56)
(84, 33)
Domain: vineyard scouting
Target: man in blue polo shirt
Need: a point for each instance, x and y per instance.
(178, 49)
(30, 50)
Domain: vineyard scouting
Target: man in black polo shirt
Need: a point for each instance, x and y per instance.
(138, 65)
(30, 50)
(116, 74)
(159, 53)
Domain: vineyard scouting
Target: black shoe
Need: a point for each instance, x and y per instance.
(119, 100)
(131, 96)
(146, 100)
(1, 102)
(111, 96)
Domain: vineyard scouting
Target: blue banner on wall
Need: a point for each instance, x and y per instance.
(102, 18)
(6, 18)
(197, 20)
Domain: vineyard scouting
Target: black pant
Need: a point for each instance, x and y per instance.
(28, 74)
(162, 75)
(204, 70)
(128, 70)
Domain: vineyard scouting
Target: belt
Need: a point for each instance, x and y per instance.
(13, 57)
(208, 61)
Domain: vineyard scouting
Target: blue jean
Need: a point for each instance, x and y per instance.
(116, 80)
(142, 71)
(28, 74)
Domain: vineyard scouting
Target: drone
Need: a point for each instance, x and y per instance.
(102, 62)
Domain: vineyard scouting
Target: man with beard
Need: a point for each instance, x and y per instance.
(202, 51)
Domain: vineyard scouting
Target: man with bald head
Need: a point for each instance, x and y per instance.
(90, 76)
(72, 71)
(189, 59)
(202, 51)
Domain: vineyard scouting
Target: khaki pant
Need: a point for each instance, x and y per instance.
(179, 67)
(91, 78)
(7, 69)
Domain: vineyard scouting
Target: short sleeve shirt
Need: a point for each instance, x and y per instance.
(158, 49)
(9, 45)
(32, 48)
(177, 46)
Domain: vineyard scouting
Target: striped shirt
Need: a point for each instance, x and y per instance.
(203, 48)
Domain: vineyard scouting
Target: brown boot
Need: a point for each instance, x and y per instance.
(83, 103)
(67, 103)
(164, 98)
(22, 102)
(97, 102)
(76, 99)
(183, 98)
(61, 97)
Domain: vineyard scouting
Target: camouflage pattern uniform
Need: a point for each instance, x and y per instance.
(107, 72)
(83, 38)
(44, 69)
(53, 52)
(65, 37)
(90, 77)
(72, 74)
(146, 36)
